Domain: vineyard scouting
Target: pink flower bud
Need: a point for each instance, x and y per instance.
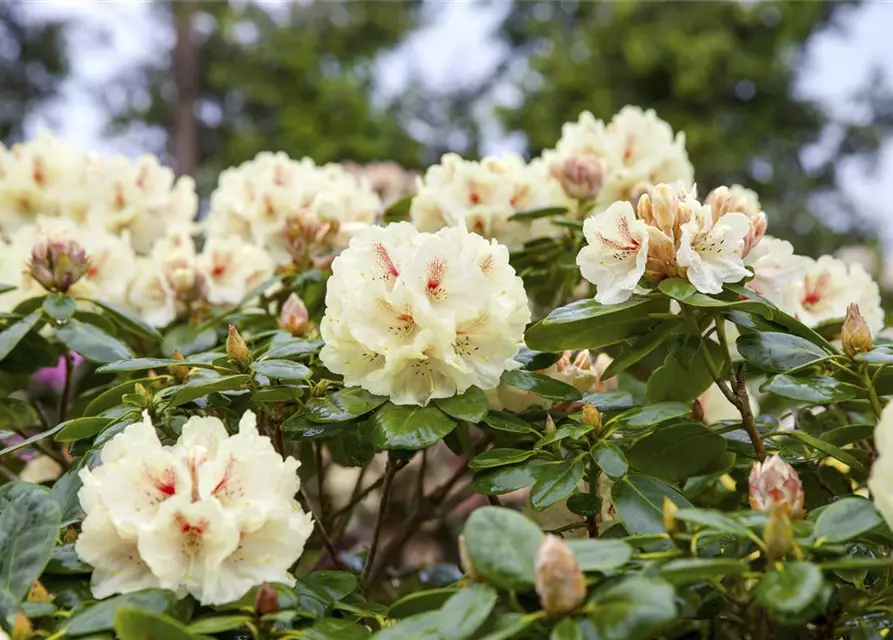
(581, 176)
(58, 263)
(293, 316)
(775, 484)
(559, 582)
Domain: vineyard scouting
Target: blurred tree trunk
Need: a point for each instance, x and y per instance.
(183, 141)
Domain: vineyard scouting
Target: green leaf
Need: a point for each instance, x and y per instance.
(398, 210)
(420, 602)
(141, 364)
(496, 482)
(499, 458)
(285, 345)
(504, 421)
(335, 629)
(17, 415)
(650, 415)
(111, 397)
(641, 348)
(471, 406)
(686, 372)
(790, 589)
(638, 501)
(634, 609)
(533, 214)
(778, 352)
(683, 291)
(218, 624)
(567, 629)
(812, 390)
(80, 428)
(880, 355)
(101, 616)
(188, 340)
(536, 360)
(540, 384)
(135, 624)
(556, 481)
(584, 504)
(279, 393)
(712, 519)
(502, 545)
(281, 369)
(92, 343)
(848, 434)
(423, 625)
(676, 451)
(58, 306)
(14, 334)
(200, 387)
(610, 459)
(334, 584)
(130, 322)
(600, 555)
(828, 449)
(342, 406)
(588, 324)
(572, 431)
(6, 287)
(65, 561)
(846, 519)
(28, 528)
(691, 570)
(465, 612)
(27, 442)
(409, 427)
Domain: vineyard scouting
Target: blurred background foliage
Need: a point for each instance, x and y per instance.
(239, 78)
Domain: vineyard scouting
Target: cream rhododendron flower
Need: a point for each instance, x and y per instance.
(211, 515)
(231, 268)
(737, 199)
(775, 267)
(615, 256)
(713, 250)
(827, 287)
(266, 199)
(417, 316)
(633, 152)
(880, 483)
(485, 195)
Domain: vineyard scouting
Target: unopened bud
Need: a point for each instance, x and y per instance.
(581, 176)
(550, 425)
(659, 208)
(774, 485)
(320, 389)
(266, 600)
(22, 629)
(179, 371)
(778, 535)
(58, 263)
(591, 416)
(70, 535)
(39, 593)
(671, 525)
(559, 582)
(855, 335)
(293, 316)
(697, 410)
(236, 349)
(465, 561)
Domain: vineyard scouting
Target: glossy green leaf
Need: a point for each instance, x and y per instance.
(686, 372)
(677, 451)
(342, 406)
(101, 616)
(409, 427)
(828, 449)
(14, 334)
(638, 501)
(556, 481)
(846, 519)
(499, 458)
(136, 624)
(536, 360)
(540, 384)
(65, 561)
(28, 528)
(584, 504)
(572, 431)
(651, 415)
(470, 406)
(188, 340)
(634, 609)
(201, 387)
(811, 390)
(504, 421)
(422, 625)
(281, 369)
(334, 584)
(465, 612)
(534, 214)
(285, 345)
(502, 480)
(502, 545)
(80, 428)
(792, 588)
(848, 434)
(335, 629)
(58, 306)
(398, 210)
(600, 555)
(567, 629)
(17, 414)
(420, 602)
(92, 343)
(142, 364)
(610, 459)
(711, 519)
(778, 352)
(111, 397)
(691, 570)
(218, 624)
(27, 442)
(128, 321)
(641, 348)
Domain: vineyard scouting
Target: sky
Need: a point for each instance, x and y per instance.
(458, 31)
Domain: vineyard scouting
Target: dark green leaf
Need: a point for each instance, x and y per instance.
(848, 434)
(65, 561)
(398, 210)
(141, 364)
(584, 504)
(540, 384)
(471, 406)
(778, 352)
(335, 629)
(846, 519)
(80, 428)
(828, 449)
(690, 570)
(14, 334)
(281, 369)
(567, 629)
(506, 479)
(136, 624)
(28, 528)
(641, 348)
(111, 397)
(600, 555)
(536, 360)
(677, 451)
(218, 624)
(200, 387)
(92, 343)
(712, 519)
(420, 602)
(27, 442)
(638, 501)
(686, 372)
(58, 306)
(285, 345)
(572, 431)
(334, 584)
(504, 421)
(502, 545)
(499, 458)
(422, 625)
(465, 612)
(555, 482)
(651, 415)
(342, 406)
(409, 427)
(101, 616)
(129, 322)
(634, 609)
(812, 390)
(17, 414)
(533, 214)
(610, 459)
(790, 589)
(188, 340)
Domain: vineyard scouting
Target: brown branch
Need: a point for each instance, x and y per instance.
(389, 473)
(742, 401)
(321, 531)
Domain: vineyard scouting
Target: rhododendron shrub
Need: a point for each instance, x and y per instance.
(577, 397)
